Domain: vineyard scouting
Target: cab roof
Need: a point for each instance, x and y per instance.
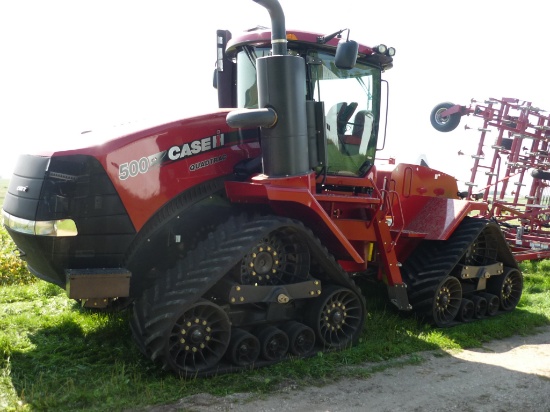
(261, 37)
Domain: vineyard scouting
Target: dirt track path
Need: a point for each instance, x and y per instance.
(507, 375)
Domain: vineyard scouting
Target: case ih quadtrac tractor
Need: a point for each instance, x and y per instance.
(238, 237)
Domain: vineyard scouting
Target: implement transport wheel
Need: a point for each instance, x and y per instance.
(199, 338)
(466, 311)
(508, 288)
(337, 317)
(447, 300)
(281, 257)
(244, 348)
(444, 123)
(301, 338)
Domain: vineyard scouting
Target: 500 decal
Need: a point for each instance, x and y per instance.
(141, 166)
(174, 153)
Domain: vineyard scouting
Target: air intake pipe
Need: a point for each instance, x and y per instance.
(281, 88)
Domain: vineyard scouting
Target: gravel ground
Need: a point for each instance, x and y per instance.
(505, 375)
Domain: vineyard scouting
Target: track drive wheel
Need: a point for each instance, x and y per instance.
(508, 287)
(337, 317)
(447, 300)
(198, 339)
(279, 258)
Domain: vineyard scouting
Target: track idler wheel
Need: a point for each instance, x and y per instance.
(466, 310)
(480, 306)
(337, 317)
(301, 338)
(508, 288)
(493, 303)
(273, 343)
(199, 338)
(447, 300)
(244, 348)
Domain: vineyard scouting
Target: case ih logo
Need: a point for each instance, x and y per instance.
(203, 145)
(143, 165)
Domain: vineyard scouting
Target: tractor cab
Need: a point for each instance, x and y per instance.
(349, 97)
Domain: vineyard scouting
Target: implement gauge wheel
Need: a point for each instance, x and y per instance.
(444, 123)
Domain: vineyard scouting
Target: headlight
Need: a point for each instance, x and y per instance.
(62, 227)
(381, 48)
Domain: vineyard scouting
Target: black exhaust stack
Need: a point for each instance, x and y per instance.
(281, 89)
(281, 86)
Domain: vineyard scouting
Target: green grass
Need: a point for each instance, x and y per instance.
(3, 189)
(57, 356)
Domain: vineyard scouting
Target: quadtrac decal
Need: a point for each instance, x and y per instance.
(175, 153)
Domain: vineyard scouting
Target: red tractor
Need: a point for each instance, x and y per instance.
(238, 238)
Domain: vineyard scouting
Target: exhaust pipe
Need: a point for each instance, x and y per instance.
(278, 30)
(281, 80)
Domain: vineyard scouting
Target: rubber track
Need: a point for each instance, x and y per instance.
(433, 260)
(157, 310)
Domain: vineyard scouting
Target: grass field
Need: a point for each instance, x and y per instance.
(57, 356)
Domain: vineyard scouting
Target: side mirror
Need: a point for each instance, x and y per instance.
(346, 54)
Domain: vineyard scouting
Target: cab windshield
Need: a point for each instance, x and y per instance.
(351, 100)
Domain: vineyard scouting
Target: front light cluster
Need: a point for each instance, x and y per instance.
(61, 227)
(383, 49)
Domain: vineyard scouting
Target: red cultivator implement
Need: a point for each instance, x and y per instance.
(511, 168)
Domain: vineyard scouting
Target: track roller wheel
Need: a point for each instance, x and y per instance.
(273, 343)
(301, 338)
(480, 306)
(466, 310)
(337, 317)
(199, 338)
(493, 303)
(507, 287)
(447, 300)
(244, 348)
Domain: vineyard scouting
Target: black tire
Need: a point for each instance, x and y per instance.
(447, 123)
(337, 317)
(197, 340)
(493, 303)
(273, 343)
(301, 338)
(447, 301)
(480, 306)
(508, 287)
(244, 348)
(466, 311)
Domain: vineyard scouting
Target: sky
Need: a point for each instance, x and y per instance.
(73, 65)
